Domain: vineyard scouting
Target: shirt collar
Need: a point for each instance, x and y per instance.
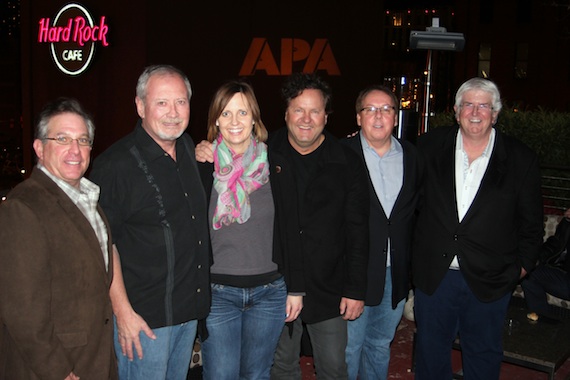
(85, 185)
(395, 146)
(151, 149)
(488, 149)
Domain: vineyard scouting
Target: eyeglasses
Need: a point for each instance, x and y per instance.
(384, 110)
(66, 140)
(481, 106)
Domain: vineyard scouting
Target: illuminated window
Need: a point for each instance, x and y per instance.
(484, 70)
(397, 19)
(396, 33)
(521, 63)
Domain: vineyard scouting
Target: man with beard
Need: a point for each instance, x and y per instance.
(156, 205)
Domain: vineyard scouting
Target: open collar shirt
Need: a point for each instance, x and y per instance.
(85, 198)
(386, 174)
(468, 177)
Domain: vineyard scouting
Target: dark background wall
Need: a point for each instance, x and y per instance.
(208, 41)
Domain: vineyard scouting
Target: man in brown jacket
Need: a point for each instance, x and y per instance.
(55, 312)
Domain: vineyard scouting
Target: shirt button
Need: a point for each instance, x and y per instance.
(199, 242)
(185, 194)
(199, 266)
(198, 290)
(193, 217)
(455, 237)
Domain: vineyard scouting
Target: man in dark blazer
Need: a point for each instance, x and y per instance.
(479, 231)
(393, 182)
(55, 273)
(324, 184)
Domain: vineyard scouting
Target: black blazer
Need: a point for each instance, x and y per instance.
(501, 231)
(331, 230)
(398, 226)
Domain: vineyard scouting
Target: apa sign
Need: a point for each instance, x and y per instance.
(72, 37)
(260, 57)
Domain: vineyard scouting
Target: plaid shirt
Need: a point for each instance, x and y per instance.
(86, 198)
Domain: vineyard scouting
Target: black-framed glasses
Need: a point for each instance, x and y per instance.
(386, 109)
(66, 140)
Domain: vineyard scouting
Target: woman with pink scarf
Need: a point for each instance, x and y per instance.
(249, 293)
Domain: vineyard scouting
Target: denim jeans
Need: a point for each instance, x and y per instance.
(244, 326)
(167, 357)
(370, 336)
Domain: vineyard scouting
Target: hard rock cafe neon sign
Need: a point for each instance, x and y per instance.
(72, 37)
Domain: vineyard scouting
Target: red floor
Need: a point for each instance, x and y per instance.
(401, 361)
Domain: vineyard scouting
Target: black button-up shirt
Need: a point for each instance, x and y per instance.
(157, 210)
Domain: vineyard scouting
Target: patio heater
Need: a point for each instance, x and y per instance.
(434, 38)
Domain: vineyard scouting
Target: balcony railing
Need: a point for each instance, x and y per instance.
(555, 189)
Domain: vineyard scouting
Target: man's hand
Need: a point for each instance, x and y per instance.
(351, 309)
(293, 309)
(523, 273)
(204, 152)
(129, 325)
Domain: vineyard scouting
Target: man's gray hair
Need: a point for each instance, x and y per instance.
(57, 107)
(149, 71)
(479, 84)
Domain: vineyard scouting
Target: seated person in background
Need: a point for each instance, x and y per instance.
(552, 275)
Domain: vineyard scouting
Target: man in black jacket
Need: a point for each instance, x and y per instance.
(552, 275)
(393, 176)
(479, 231)
(326, 186)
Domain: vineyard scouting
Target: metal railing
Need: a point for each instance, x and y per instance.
(555, 189)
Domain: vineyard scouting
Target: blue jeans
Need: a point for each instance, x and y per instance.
(370, 336)
(244, 326)
(167, 357)
(451, 310)
(328, 340)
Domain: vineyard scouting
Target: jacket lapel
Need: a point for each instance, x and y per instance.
(446, 173)
(356, 141)
(493, 176)
(79, 221)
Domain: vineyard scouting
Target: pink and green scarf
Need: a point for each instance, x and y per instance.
(235, 177)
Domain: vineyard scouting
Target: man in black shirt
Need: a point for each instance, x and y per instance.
(156, 205)
(326, 189)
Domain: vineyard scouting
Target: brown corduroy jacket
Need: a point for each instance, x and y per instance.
(55, 311)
